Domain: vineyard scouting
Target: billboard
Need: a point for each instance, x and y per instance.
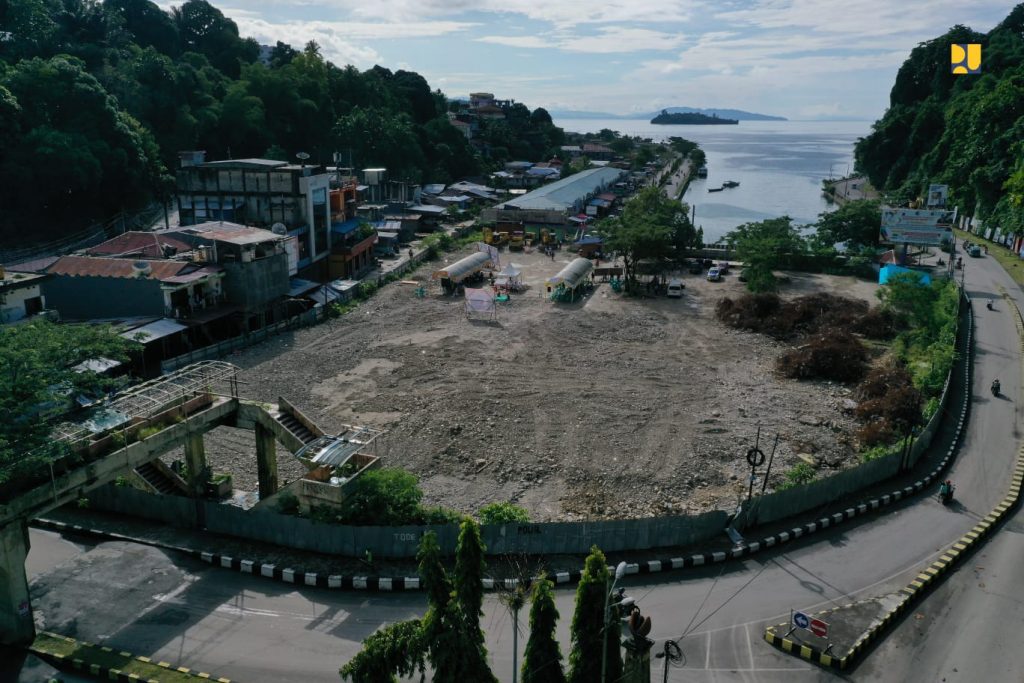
(937, 195)
(916, 226)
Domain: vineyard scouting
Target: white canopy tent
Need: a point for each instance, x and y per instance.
(509, 277)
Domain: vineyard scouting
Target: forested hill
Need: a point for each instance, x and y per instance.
(964, 130)
(98, 96)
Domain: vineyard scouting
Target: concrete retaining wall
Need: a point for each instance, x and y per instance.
(403, 541)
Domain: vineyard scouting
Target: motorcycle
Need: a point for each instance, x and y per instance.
(947, 495)
(988, 305)
(995, 387)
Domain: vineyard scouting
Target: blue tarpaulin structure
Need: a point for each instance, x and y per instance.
(887, 272)
(346, 227)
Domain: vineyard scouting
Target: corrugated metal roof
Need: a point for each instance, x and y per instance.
(242, 237)
(562, 194)
(97, 266)
(38, 265)
(463, 267)
(199, 274)
(143, 243)
(164, 327)
(573, 274)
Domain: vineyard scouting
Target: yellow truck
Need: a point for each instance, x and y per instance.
(516, 241)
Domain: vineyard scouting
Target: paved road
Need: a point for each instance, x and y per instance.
(254, 630)
(970, 628)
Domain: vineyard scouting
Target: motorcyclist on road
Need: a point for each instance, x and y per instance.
(989, 304)
(995, 386)
(946, 490)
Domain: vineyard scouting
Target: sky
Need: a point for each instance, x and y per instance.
(802, 59)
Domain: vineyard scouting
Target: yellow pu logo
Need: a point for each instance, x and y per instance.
(965, 58)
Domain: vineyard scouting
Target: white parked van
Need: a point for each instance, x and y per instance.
(675, 288)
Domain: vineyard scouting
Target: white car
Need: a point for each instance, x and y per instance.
(714, 275)
(675, 288)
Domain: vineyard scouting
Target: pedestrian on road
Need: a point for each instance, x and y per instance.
(410, 255)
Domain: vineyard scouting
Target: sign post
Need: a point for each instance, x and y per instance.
(813, 625)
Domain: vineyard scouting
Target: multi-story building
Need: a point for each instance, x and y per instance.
(264, 193)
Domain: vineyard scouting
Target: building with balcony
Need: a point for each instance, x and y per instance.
(263, 193)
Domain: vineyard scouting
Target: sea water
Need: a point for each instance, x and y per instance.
(778, 164)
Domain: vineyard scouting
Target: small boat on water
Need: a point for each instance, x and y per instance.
(715, 189)
(730, 183)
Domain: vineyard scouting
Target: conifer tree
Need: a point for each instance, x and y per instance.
(542, 661)
(588, 632)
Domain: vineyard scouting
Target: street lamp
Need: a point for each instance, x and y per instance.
(620, 571)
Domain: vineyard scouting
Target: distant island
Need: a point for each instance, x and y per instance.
(737, 114)
(690, 118)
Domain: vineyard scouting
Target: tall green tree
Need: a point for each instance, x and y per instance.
(37, 384)
(542, 660)
(589, 634)
(764, 245)
(652, 226)
(854, 223)
(78, 154)
(448, 635)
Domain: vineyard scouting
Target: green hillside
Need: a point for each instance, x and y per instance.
(964, 130)
(98, 96)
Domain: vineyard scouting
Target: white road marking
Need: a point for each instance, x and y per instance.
(750, 648)
(707, 657)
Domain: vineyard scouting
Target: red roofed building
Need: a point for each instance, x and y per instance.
(140, 245)
(87, 287)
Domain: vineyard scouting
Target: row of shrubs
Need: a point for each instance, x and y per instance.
(392, 497)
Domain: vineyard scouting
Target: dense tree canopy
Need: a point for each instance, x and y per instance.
(37, 385)
(965, 131)
(652, 226)
(854, 224)
(97, 97)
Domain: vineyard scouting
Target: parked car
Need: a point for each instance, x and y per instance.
(696, 268)
(974, 251)
(714, 275)
(723, 267)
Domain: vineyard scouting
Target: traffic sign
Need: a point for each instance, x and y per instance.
(819, 628)
(801, 620)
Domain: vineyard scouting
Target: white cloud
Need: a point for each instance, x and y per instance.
(607, 40)
(561, 13)
(516, 41)
(338, 40)
(857, 18)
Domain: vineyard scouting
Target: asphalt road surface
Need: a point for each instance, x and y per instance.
(157, 603)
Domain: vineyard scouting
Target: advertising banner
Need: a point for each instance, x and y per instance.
(916, 226)
(937, 195)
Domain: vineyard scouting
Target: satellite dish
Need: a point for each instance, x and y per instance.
(279, 229)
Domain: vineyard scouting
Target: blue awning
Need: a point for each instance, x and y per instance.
(588, 239)
(603, 203)
(345, 227)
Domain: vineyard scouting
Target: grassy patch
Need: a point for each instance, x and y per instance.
(1010, 261)
(63, 652)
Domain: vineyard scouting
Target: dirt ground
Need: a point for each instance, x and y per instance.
(608, 407)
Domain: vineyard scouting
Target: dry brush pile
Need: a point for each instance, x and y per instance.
(828, 333)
